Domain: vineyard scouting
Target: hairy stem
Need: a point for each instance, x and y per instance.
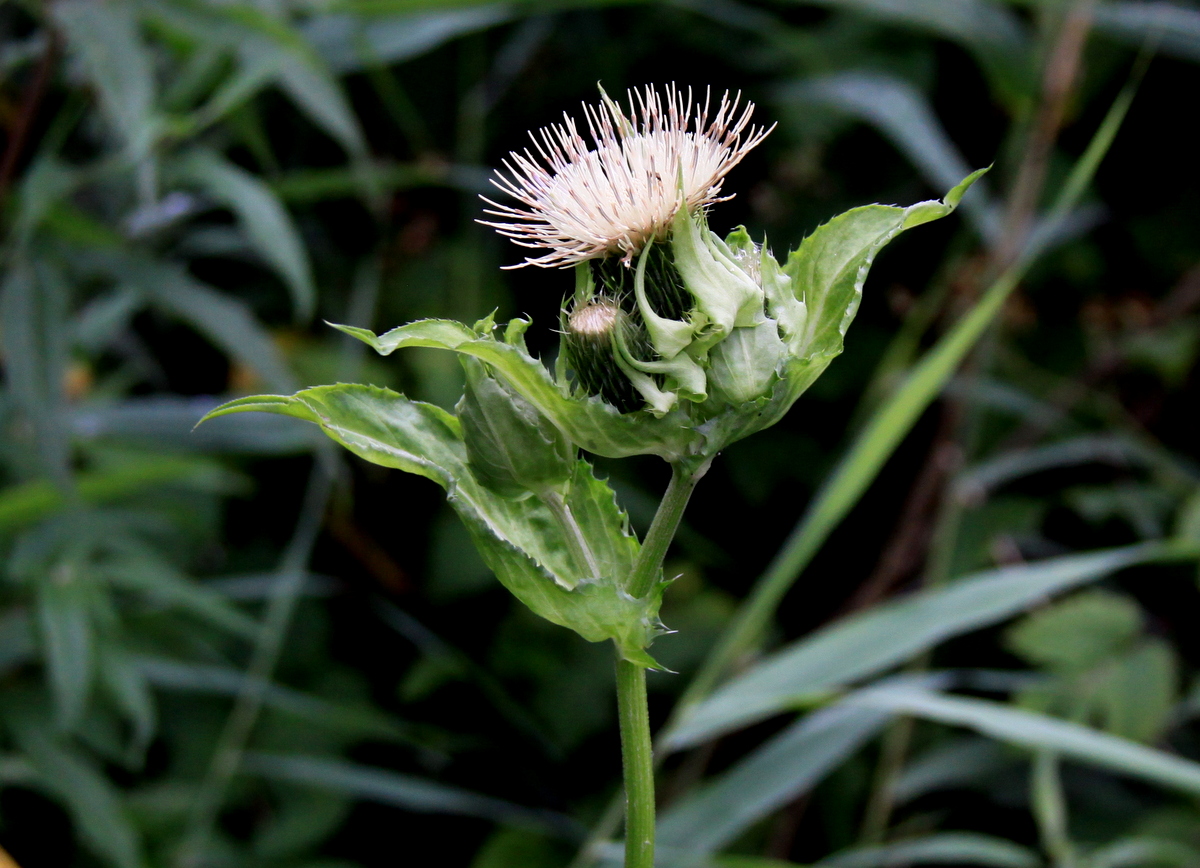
(637, 760)
(662, 529)
(637, 749)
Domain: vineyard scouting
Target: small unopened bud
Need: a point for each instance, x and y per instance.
(590, 342)
(594, 320)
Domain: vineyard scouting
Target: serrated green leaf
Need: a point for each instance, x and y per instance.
(521, 541)
(830, 266)
(511, 448)
(590, 422)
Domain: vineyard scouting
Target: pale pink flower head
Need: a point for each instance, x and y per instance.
(610, 196)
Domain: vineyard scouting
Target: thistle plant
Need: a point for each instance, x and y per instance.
(675, 342)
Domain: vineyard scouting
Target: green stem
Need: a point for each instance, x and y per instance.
(637, 749)
(662, 529)
(637, 759)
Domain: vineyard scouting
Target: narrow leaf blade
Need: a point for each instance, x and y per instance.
(400, 790)
(871, 642)
(265, 221)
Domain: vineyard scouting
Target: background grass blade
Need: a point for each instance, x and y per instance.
(226, 321)
(787, 765)
(902, 113)
(350, 44)
(65, 619)
(363, 721)
(94, 803)
(955, 848)
(873, 641)
(403, 791)
(266, 223)
(107, 39)
(1038, 732)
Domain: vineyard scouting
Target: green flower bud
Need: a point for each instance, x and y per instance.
(511, 448)
(593, 333)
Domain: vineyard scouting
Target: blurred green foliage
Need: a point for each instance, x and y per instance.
(206, 662)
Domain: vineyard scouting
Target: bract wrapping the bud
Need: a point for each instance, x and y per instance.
(725, 295)
(783, 303)
(682, 374)
(611, 352)
(669, 337)
(511, 447)
(745, 364)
